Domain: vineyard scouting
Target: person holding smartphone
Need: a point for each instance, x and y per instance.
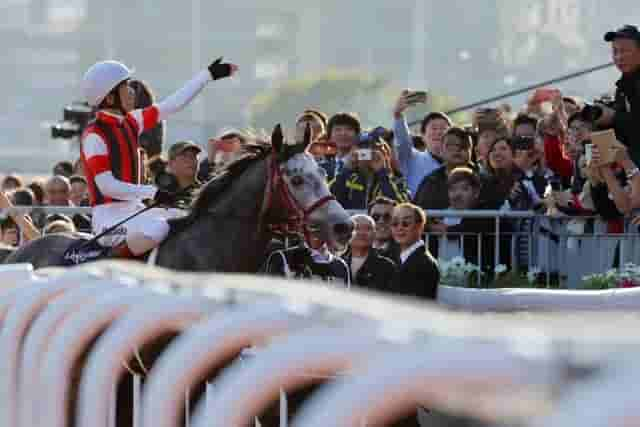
(416, 164)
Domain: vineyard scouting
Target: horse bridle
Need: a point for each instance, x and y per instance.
(297, 215)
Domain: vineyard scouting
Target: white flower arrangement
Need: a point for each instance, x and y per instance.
(628, 276)
(532, 274)
(457, 272)
(500, 268)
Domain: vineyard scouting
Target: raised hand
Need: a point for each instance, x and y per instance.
(401, 104)
(220, 70)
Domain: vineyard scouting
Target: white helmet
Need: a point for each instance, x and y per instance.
(101, 78)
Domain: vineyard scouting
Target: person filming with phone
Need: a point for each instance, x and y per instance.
(368, 175)
(416, 164)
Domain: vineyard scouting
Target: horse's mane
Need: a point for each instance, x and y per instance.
(220, 182)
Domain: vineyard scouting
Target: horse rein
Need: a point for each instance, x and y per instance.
(297, 215)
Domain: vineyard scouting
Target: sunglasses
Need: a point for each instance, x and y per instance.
(385, 217)
(404, 222)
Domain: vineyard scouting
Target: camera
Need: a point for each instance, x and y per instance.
(76, 117)
(555, 183)
(367, 139)
(592, 112)
(524, 143)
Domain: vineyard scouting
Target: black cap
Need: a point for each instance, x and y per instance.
(626, 32)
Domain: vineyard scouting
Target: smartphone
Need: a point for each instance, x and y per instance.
(556, 185)
(523, 143)
(416, 97)
(588, 152)
(364, 154)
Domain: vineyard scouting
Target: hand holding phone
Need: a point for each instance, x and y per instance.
(416, 97)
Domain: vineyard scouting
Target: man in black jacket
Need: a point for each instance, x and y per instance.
(368, 268)
(309, 260)
(625, 116)
(418, 273)
(380, 211)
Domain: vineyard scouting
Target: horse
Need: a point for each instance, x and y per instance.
(231, 222)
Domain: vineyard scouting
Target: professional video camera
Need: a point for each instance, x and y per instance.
(592, 112)
(76, 117)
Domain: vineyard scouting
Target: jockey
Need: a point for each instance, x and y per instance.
(111, 155)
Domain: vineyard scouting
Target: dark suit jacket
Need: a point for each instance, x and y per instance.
(418, 276)
(376, 273)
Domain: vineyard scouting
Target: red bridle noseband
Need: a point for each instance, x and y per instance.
(296, 215)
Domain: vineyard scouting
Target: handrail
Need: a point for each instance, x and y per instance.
(523, 90)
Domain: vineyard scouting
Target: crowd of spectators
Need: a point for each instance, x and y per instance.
(541, 159)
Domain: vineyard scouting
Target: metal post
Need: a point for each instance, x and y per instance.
(137, 406)
(479, 275)
(187, 409)
(284, 420)
(497, 252)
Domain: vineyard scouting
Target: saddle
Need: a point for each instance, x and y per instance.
(84, 251)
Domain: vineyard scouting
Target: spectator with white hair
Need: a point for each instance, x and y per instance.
(58, 193)
(368, 268)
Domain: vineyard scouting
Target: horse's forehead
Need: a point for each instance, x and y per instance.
(301, 162)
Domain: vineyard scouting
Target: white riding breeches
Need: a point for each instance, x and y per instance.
(152, 223)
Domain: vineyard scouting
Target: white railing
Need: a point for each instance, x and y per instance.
(366, 349)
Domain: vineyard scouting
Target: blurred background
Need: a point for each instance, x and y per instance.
(332, 55)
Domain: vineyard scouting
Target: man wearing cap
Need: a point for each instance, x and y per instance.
(111, 157)
(183, 164)
(625, 116)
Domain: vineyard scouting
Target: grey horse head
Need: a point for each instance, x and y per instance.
(307, 184)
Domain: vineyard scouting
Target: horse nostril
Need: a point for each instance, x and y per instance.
(343, 229)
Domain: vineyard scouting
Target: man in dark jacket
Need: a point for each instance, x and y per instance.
(381, 210)
(418, 273)
(456, 152)
(310, 260)
(625, 116)
(368, 268)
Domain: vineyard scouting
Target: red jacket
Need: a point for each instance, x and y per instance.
(554, 156)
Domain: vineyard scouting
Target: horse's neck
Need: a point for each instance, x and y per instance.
(244, 198)
(228, 235)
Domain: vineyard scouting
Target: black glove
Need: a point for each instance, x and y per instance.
(164, 197)
(219, 69)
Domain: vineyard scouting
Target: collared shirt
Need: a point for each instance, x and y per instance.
(414, 164)
(405, 254)
(356, 264)
(321, 255)
(382, 247)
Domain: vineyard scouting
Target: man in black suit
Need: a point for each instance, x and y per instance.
(380, 210)
(368, 268)
(418, 273)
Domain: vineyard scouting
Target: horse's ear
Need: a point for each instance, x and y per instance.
(307, 135)
(277, 139)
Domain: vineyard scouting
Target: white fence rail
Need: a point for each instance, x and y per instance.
(118, 344)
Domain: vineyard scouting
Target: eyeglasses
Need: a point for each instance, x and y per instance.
(384, 217)
(404, 222)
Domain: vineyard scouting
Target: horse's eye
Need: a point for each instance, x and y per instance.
(297, 181)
